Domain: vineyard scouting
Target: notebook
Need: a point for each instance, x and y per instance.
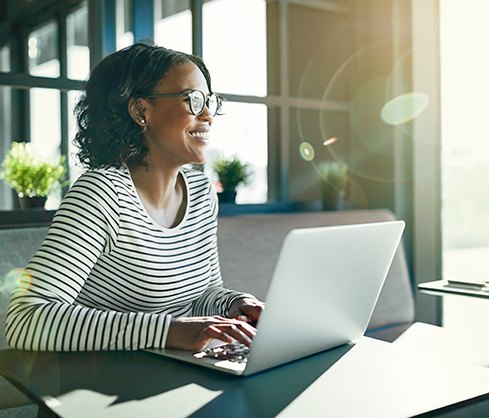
(323, 291)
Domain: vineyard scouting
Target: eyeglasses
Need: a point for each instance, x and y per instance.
(198, 101)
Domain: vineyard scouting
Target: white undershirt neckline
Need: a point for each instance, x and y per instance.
(186, 192)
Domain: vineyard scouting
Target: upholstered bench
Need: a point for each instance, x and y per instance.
(17, 246)
(249, 246)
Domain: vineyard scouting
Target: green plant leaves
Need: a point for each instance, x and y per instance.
(30, 175)
(231, 172)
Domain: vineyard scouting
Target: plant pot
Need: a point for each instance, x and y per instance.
(37, 202)
(227, 196)
(332, 199)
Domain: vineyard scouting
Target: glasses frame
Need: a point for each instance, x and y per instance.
(207, 97)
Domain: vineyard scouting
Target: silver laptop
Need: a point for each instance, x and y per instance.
(323, 291)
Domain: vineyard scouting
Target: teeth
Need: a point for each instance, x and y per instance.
(199, 134)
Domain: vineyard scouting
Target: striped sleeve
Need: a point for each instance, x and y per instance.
(43, 314)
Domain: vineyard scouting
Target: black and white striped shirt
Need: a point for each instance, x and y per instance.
(108, 277)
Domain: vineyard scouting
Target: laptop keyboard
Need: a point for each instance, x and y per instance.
(236, 352)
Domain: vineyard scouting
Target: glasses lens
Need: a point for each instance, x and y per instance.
(197, 102)
(213, 104)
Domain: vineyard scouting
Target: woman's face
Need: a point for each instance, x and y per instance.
(174, 135)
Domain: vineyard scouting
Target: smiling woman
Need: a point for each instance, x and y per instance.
(131, 259)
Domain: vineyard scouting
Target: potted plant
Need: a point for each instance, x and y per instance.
(231, 172)
(333, 184)
(32, 177)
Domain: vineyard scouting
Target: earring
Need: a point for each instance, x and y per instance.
(143, 121)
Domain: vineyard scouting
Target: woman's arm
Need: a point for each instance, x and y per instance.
(42, 314)
(217, 300)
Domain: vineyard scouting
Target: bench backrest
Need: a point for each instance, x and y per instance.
(249, 247)
(17, 247)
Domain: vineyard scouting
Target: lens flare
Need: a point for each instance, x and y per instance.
(404, 108)
(306, 151)
(16, 278)
(330, 141)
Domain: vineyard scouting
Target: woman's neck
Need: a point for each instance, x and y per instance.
(162, 193)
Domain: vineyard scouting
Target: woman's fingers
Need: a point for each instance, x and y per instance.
(216, 334)
(240, 331)
(196, 333)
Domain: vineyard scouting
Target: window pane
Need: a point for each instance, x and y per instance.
(465, 154)
(235, 46)
(77, 44)
(307, 154)
(173, 17)
(123, 23)
(43, 51)
(46, 128)
(320, 45)
(5, 59)
(242, 131)
(6, 202)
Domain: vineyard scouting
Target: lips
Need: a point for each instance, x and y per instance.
(201, 134)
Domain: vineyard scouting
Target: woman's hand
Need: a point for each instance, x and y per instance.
(248, 307)
(195, 333)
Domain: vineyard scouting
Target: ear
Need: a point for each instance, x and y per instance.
(136, 111)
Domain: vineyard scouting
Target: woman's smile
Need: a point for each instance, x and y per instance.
(201, 134)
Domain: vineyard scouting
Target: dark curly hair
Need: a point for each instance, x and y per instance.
(107, 135)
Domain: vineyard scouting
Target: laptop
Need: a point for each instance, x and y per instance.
(323, 291)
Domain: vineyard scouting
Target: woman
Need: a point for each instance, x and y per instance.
(131, 260)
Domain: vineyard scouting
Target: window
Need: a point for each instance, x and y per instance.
(234, 47)
(238, 67)
(77, 44)
(43, 51)
(5, 125)
(173, 17)
(242, 131)
(45, 124)
(124, 32)
(465, 157)
(37, 111)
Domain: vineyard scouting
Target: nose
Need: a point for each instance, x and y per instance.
(206, 115)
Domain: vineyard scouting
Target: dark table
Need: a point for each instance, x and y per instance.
(370, 378)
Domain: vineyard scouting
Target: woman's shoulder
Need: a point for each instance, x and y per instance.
(195, 176)
(200, 187)
(108, 176)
